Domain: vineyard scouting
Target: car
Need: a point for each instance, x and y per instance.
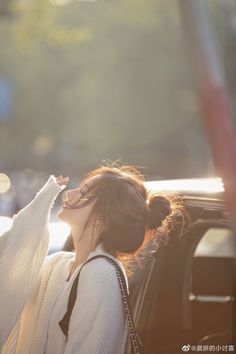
(183, 296)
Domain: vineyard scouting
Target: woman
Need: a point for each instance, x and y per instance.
(110, 214)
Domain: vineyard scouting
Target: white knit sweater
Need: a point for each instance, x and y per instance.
(97, 324)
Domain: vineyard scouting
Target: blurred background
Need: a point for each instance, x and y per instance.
(86, 81)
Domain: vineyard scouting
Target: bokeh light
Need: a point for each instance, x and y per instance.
(5, 183)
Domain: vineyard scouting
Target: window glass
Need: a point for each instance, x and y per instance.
(217, 242)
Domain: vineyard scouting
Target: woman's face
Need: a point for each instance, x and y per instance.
(73, 212)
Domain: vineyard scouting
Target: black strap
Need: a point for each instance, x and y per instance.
(136, 343)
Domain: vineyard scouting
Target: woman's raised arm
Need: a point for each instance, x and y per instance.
(22, 251)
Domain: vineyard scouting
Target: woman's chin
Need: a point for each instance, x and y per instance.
(64, 214)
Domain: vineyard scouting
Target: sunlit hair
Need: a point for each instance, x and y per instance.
(129, 214)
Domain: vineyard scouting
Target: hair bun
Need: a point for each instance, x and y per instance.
(159, 209)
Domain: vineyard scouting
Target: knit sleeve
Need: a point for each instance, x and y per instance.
(22, 254)
(97, 323)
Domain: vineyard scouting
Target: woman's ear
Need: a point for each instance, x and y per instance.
(99, 225)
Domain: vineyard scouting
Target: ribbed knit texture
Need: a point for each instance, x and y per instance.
(97, 324)
(22, 251)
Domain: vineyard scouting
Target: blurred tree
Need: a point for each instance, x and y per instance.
(5, 8)
(100, 80)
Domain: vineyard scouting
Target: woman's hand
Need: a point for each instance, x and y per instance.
(62, 181)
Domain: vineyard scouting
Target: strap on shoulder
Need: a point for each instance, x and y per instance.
(136, 344)
(64, 323)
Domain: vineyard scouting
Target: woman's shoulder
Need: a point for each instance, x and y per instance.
(103, 261)
(99, 266)
(99, 270)
(98, 279)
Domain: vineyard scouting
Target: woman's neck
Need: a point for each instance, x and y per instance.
(86, 244)
(81, 257)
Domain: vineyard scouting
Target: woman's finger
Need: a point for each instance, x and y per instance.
(62, 180)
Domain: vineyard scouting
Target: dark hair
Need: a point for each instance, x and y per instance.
(159, 209)
(128, 212)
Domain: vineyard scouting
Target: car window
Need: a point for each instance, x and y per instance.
(216, 242)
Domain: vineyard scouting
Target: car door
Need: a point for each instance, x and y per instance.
(211, 283)
(185, 296)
